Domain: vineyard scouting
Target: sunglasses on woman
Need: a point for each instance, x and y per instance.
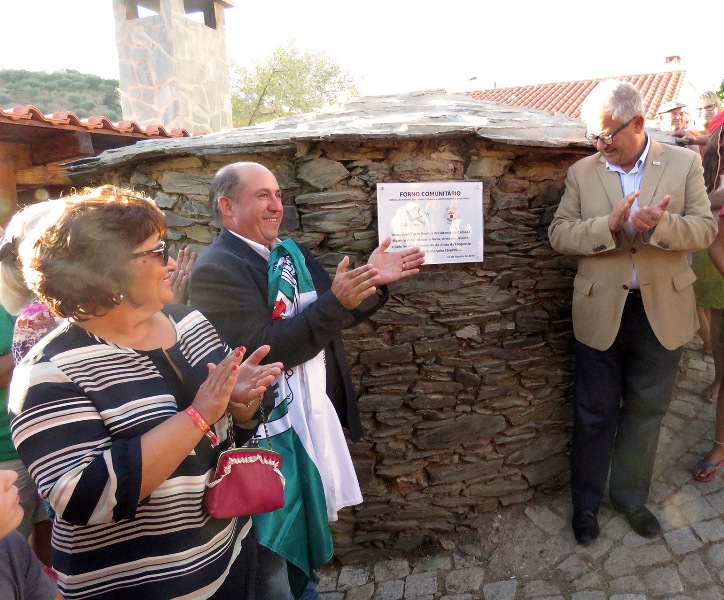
(160, 249)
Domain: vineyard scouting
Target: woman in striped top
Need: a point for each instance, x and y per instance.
(111, 411)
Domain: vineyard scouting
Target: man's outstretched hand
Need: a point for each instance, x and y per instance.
(392, 266)
(352, 287)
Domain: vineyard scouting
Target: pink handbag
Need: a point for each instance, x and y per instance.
(247, 481)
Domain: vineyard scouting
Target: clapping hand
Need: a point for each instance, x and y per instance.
(252, 382)
(392, 266)
(214, 394)
(648, 217)
(620, 213)
(180, 277)
(352, 287)
(235, 385)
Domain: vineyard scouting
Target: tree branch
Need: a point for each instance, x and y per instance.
(261, 96)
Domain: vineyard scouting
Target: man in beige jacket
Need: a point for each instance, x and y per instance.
(631, 213)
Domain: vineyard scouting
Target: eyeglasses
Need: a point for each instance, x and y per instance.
(706, 108)
(607, 138)
(160, 249)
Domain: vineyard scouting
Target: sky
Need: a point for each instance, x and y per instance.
(393, 46)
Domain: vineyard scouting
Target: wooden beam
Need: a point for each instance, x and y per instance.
(8, 192)
(17, 154)
(65, 146)
(12, 157)
(51, 174)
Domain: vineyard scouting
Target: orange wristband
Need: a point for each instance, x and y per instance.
(202, 425)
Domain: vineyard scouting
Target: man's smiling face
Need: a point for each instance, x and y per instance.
(628, 143)
(256, 210)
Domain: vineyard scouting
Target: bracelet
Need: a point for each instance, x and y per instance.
(248, 404)
(202, 425)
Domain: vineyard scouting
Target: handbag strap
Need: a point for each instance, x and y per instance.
(254, 441)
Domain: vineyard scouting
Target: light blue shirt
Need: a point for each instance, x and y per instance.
(631, 182)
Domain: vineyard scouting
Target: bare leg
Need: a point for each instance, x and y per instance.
(705, 327)
(716, 454)
(717, 328)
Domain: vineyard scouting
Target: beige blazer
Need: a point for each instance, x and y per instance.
(600, 288)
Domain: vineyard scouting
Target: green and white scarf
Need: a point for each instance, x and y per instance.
(306, 430)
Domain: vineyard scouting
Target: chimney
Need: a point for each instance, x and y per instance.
(673, 60)
(173, 66)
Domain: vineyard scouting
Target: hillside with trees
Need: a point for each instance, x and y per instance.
(67, 90)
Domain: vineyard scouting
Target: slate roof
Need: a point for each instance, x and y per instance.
(566, 97)
(417, 115)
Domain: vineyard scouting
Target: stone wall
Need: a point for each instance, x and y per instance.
(173, 71)
(464, 376)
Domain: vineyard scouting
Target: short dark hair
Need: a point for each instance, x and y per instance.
(81, 265)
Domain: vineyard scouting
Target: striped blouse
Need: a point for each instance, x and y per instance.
(79, 406)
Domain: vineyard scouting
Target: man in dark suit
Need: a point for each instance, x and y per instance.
(229, 285)
(631, 213)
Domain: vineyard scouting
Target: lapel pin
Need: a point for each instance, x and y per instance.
(656, 162)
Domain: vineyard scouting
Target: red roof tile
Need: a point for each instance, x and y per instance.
(566, 97)
(30, 114)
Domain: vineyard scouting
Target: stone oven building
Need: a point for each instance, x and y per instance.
(464, 376)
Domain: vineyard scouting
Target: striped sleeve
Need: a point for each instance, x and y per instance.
(60, 435)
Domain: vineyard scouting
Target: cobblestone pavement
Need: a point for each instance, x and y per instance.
(529, 551)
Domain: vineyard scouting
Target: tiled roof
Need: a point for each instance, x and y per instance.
(22, 115)
(40, 144)
(566, 97)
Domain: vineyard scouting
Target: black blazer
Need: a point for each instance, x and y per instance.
(229, 286)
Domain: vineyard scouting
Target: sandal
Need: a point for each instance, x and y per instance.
(703, 466)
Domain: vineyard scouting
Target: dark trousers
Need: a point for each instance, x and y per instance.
(239, 583)
(620, 397)
(272, 581)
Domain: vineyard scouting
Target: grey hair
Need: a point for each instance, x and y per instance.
(618, 99)
(223, 184)
(711, 98)
(24, 228)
